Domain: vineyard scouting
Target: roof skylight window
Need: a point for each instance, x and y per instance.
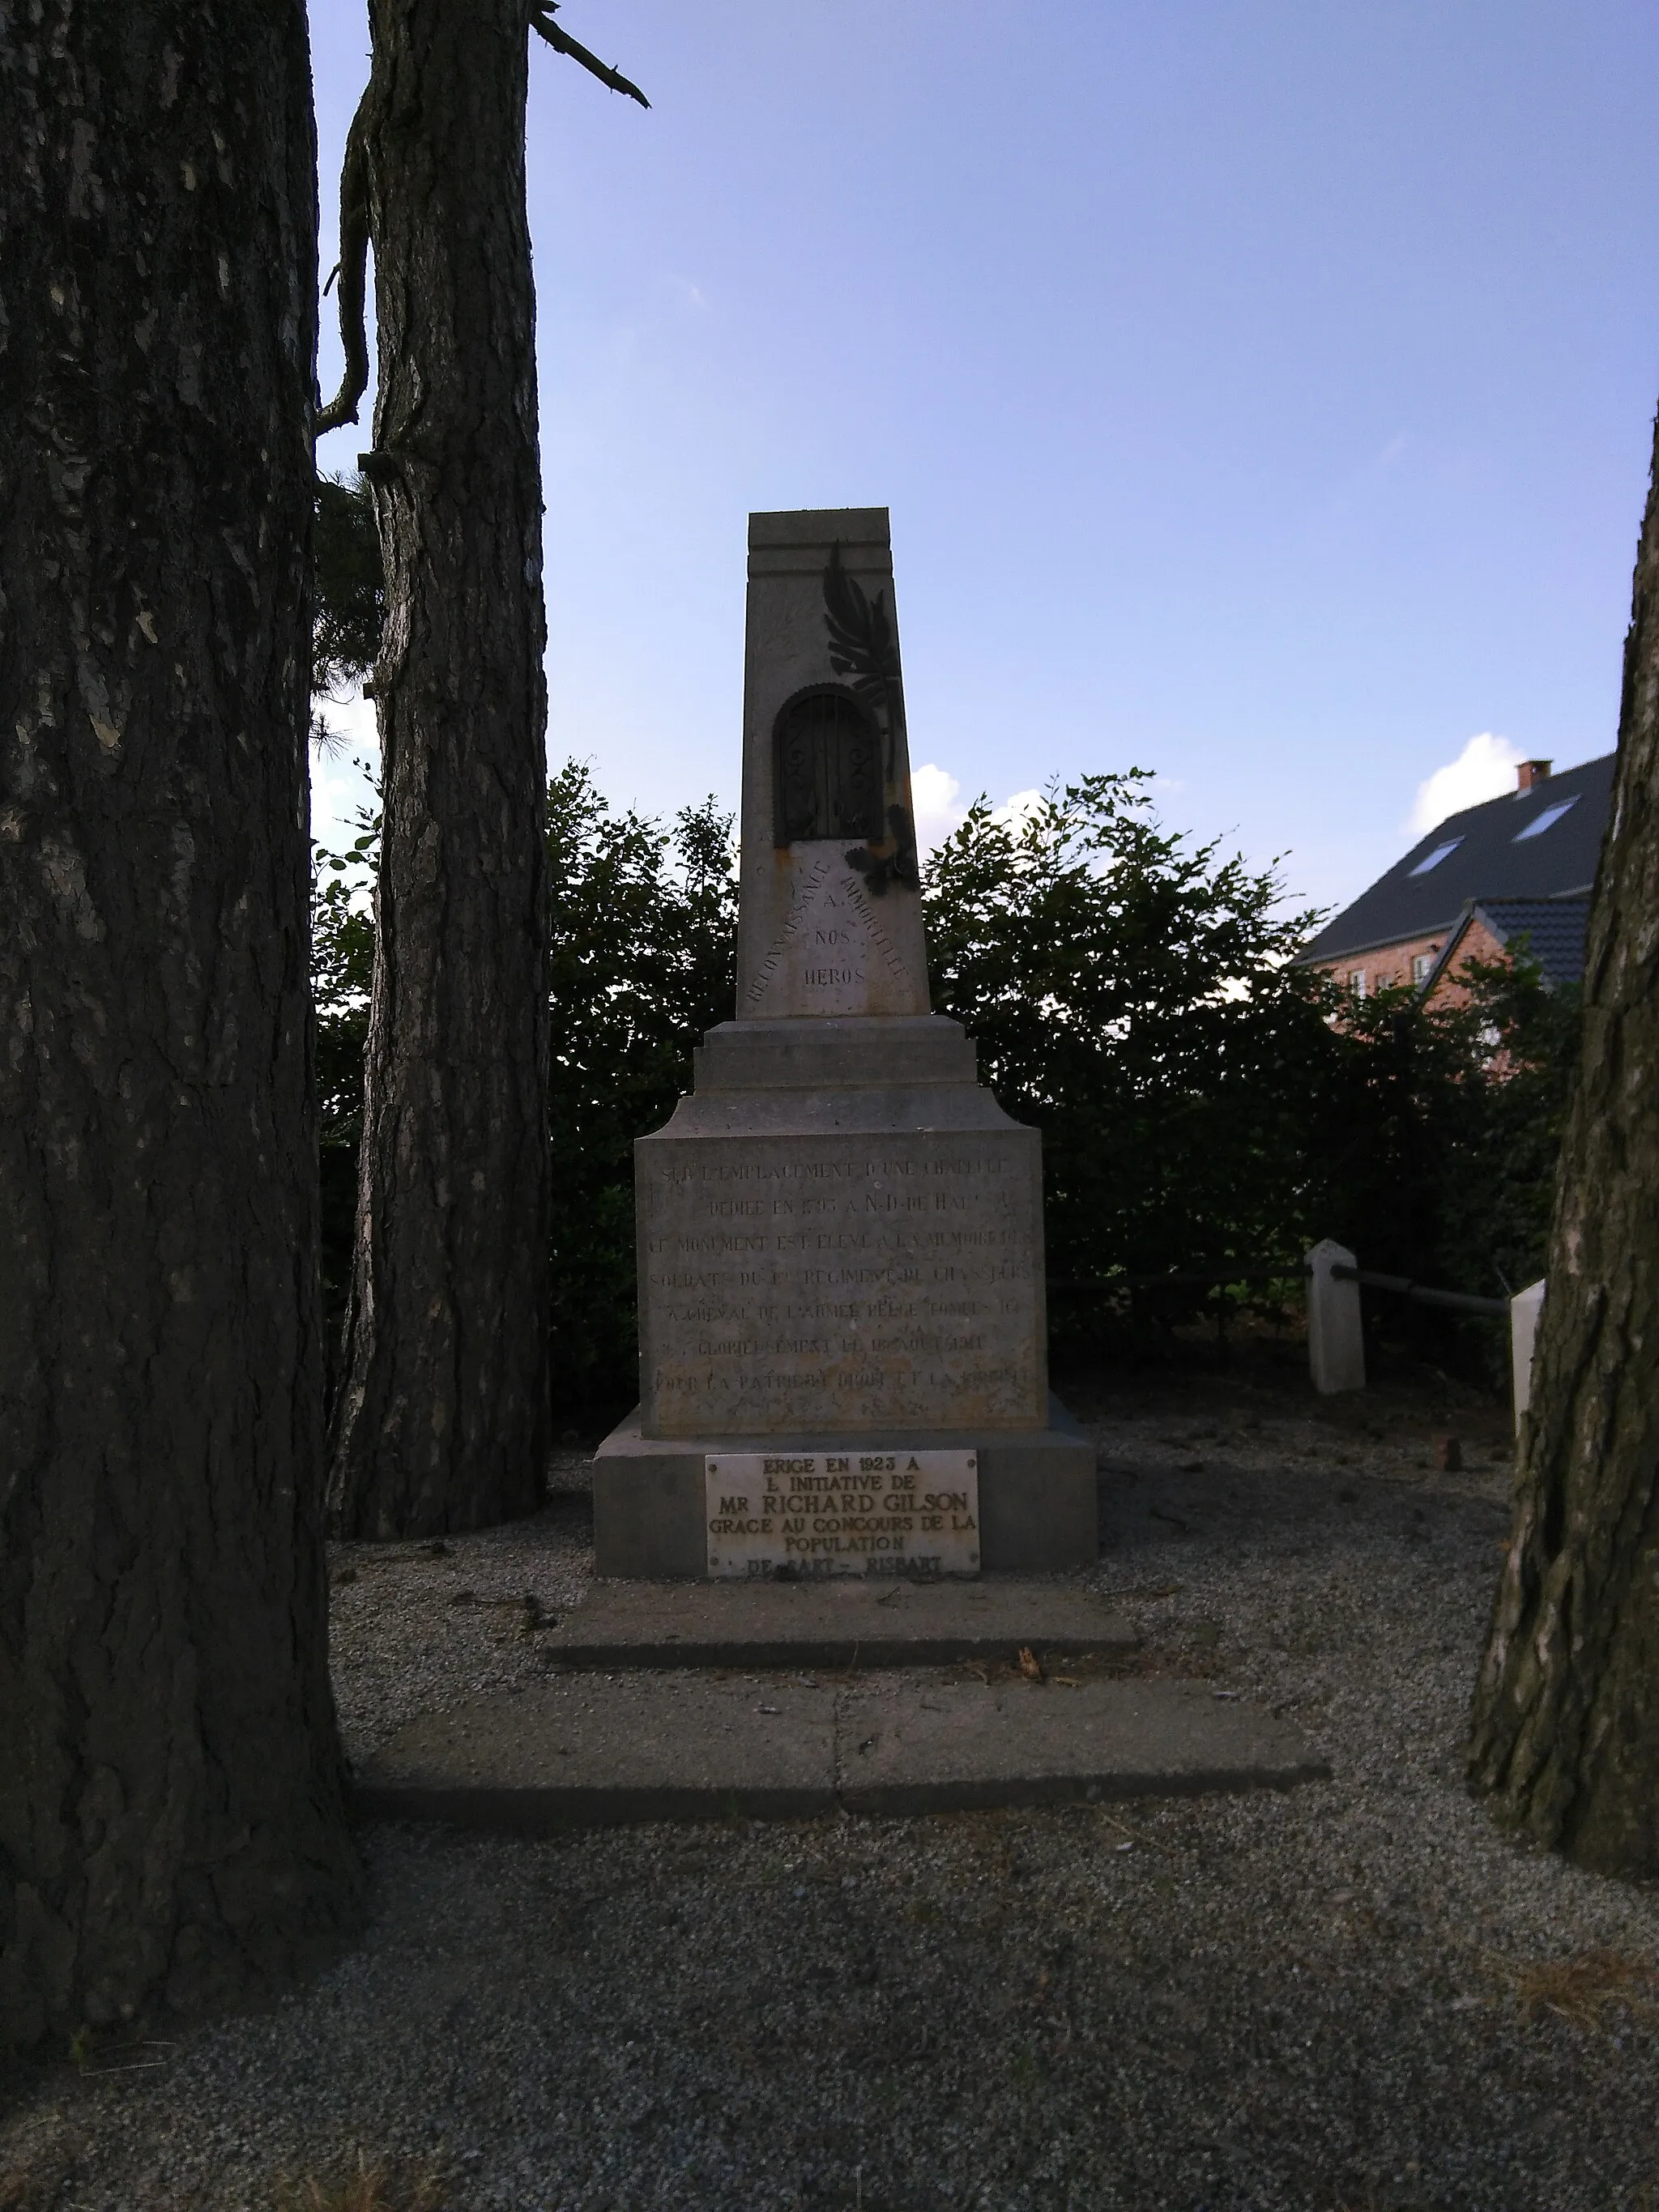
(1550, 815)
(1433, 860)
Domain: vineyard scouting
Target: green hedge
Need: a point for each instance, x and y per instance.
(1205, 1106)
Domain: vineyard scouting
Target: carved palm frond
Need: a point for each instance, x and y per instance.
(864, 646)
(862, 642)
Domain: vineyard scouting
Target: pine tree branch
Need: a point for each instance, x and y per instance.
(351, 271)
(541, 21)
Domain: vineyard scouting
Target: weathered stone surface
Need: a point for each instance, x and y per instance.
(821, 932)
(586, 1751)
(905, 1749)
(1037, 1491)
(592, 1750)
(1336, 1332)
(850, 1622)
(840, 1230)
(926, 1060)
(846, 1281)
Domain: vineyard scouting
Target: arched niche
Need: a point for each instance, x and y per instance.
(826, 767)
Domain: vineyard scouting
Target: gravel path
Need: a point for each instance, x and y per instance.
(1318, 2000)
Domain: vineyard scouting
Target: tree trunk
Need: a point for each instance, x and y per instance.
(172, 1818)
(1566, 1738)
(443, 1421)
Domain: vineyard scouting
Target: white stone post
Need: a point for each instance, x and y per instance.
(1524, 1308)
(1336, 1342)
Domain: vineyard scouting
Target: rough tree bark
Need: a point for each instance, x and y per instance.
(442, 1417)
(1566, 1734)
(171, 1819)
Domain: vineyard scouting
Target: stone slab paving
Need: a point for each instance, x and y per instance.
(910, 1747)
(596, 1750)
(855, 1622)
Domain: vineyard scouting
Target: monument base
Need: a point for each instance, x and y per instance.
(1036, 1493)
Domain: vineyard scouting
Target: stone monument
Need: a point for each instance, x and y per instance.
(842, 1356)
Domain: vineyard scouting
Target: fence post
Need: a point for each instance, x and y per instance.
(1523, 1331)
(1336, 1342)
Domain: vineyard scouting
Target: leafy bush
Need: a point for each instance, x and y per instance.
(1205, 1106)
(642, 960)
(1131, 999)
(1432, 1138)
(1495, 1198)
(643, 924)
(348, 585)
(342, 971)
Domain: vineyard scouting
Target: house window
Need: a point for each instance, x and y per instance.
(1421, 963)
(1357, 981)
(1433, 860)
(1547, 820)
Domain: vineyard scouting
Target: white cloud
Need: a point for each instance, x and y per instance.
(1484, 769)
(936, 795)
(933, 794)
(1015, 809)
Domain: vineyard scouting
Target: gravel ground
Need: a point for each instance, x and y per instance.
(1315, 2000)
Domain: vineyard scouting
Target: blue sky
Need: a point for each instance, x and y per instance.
(1263, 391)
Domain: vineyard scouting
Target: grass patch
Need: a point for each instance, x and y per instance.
(383, 2185)
(1585, 1990)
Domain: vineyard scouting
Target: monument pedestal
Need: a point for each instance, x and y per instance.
(841, 1254)
(1036, 1493)
(843, 1360)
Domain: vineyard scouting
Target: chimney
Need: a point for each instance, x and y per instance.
(1529, 773)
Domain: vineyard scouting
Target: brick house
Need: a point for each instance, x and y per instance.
(1518, 868)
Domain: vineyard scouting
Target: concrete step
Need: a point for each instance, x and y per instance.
(854, 1622)
(590, 1750)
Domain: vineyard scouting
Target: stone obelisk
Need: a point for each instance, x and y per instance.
(842, 1362)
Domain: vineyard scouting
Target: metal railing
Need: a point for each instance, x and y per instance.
(1424, 1293)
(1336, 1342)
(1187, 1279)
(1336, 1334)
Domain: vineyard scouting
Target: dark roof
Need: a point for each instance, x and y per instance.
(1553, 928)
(1482, 862)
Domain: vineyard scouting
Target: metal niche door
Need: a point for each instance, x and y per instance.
(827, 773)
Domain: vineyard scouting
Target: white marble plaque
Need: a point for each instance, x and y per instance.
(860, 1512)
